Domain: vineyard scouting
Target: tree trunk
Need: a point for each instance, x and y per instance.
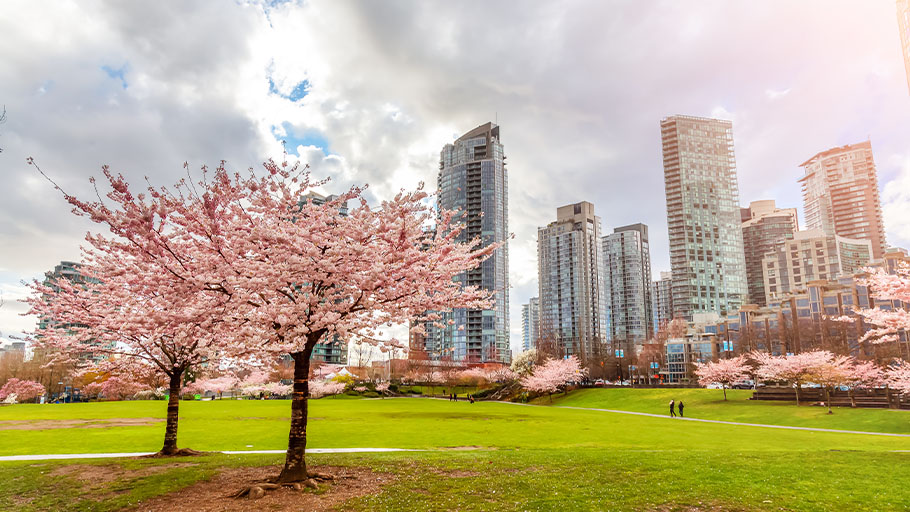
(173, 406)
(725, 391)
(852, 398)
(828, 400)
(295, 461)
(798, 387)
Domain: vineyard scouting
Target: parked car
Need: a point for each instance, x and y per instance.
(599, 382)
(743, 384)
(714, 385)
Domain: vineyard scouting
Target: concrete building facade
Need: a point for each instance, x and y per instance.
(764, 227)
(473, 179)
(572, 292)
(810, 256)
(627, 261)
(840, 194)
(703, 217)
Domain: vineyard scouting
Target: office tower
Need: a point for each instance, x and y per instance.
(530, 324)
(764, 227)
(703, 219)
(627, 261)
(840, 194)
(661, 300)
(70, 271)
(903, 23)
(573, 301)
(473, 181)
(812, 255)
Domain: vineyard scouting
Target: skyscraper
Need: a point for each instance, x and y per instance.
(473, 180)
(765, 226)
(573, 302)
(530, 324)
(840, 194)
(903, 23)
(703, 218)
(661, 300)
(627, 260)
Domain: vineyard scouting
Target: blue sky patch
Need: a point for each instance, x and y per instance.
(119, 74)
(297, 94)
(293, 140)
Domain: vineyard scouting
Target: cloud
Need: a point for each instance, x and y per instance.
(369, 93)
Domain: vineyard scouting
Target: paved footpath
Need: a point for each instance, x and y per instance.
(785, 427)
(64, 456)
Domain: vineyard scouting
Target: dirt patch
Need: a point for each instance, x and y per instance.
(96, 477)
(212, 495)
(457, 473)
(465, 448)
(54, 424)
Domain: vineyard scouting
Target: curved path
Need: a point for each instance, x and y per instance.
(763, 425)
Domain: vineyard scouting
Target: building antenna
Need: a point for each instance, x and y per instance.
(496, 117)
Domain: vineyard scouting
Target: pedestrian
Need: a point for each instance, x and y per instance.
(672, 408)
(681, 409)
(455, 397)
(471, 398)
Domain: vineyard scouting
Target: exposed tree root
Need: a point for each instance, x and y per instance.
(183, 452)
(258, 490)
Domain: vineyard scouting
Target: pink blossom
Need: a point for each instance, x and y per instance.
(24, 390)
(724, 372)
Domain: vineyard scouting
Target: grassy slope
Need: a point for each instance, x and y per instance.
(709, 404)
(546, 458)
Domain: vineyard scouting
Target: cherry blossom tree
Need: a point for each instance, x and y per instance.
(319, 389)
(92, 389)
(796, 369)
(523, 364)
(724, 372)
(552, 375)
(217, 385)
(830, 374)
(301, 273)
(888, 324)
(24, 390)
(898, 377)
(149, 299)
(863, 375)
(120, 387)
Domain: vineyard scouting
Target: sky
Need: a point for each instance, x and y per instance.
(369, 92)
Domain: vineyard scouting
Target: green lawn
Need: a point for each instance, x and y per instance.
(536, 458)
(710, 404)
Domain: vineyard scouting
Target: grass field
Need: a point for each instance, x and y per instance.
(529, 458)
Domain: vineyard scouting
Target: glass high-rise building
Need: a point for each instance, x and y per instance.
(703, 218)
(765, 226)
(661, 300)
(473, 180)
(627, 260)
(573, 301)
(530, 324)
(840, 194)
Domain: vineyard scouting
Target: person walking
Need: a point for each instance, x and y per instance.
(681, 409)
(672, 408)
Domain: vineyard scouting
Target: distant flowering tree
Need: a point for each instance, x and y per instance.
(863, 375)
(382, 387)
(120, 387)
(360, 389)
(217, 385)
(898, 377)
(523, 364)
(92, 389)
(796, 369)
(24, 390)
(319, 389)
(888, 324)
(724, 372)
(553, 375)
(832, 373)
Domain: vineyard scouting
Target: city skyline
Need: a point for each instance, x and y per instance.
(77, 108)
